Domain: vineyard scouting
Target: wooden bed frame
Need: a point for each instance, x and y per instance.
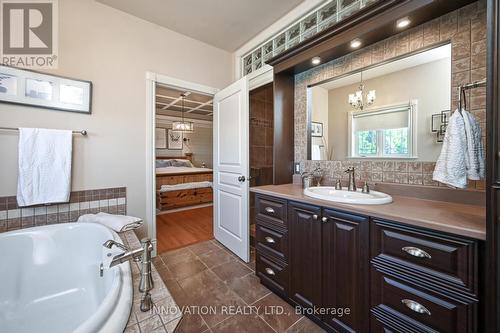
(182, 198)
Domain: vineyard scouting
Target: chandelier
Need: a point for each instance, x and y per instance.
(183, 125)
(360, 99)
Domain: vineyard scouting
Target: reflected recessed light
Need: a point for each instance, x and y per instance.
(355, 43)
(403, 22)
(316, 60)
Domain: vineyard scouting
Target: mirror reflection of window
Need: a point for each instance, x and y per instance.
(390, 118)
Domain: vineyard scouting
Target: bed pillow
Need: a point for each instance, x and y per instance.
(163, 163)
(182, 163)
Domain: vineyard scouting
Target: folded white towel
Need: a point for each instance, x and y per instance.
(44, 166)
(451, 167)
(118, 223)
(474, 158)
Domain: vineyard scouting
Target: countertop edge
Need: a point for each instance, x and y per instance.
(422, 223)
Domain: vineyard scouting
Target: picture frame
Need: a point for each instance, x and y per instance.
(174, 140)
(31, 88)
(316, 129)
(160, 138)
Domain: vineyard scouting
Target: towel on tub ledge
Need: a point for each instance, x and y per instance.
(118, 223)
(44, 166)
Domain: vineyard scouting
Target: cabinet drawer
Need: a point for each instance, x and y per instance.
(272, 274)
(430, 311)
(272, 242)
(271, 210)
(445, 259)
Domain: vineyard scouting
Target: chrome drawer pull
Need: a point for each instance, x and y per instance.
(269, 210)
(324, 219)
(269, 239)
(269, 271)
(416, 252)
(415, 306)
(315, 217)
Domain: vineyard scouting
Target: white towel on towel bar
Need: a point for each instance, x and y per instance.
(474, 158)
(116, 222)
(44, 166)
(450, 167)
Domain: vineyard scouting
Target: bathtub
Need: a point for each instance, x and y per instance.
(50, 281)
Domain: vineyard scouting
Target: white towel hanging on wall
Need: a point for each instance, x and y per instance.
(44, 166)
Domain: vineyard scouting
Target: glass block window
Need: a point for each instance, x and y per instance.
(323, 17)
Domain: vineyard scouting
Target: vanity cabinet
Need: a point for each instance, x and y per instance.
(305, 254)
(390, 276)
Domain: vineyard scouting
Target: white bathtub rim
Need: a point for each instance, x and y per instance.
(119, 300)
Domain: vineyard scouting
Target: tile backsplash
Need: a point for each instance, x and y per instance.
(465, 28)
(110, 200)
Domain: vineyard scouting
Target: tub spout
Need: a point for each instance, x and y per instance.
(142, 254)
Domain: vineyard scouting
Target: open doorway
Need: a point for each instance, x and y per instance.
(183, 167)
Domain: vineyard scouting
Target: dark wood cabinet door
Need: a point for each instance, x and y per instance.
(305, 254)
(345, 270)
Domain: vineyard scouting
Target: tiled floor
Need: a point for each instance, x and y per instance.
(222, 293)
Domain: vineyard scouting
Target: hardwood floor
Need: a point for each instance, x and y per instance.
(179, 229)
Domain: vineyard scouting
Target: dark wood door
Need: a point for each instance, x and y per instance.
(345, 271)
(491, 293)
(305, 254)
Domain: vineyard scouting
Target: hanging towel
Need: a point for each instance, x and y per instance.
(116, 222)
(315, 153)
(474, 158)
(451, 167)
(44, 166)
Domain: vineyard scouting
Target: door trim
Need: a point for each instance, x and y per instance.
(151, 80)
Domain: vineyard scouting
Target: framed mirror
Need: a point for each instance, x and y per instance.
(388, 111)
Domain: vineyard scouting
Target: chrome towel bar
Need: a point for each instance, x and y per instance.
(82, 132)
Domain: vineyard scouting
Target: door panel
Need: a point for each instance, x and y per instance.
(345, 270)
(305, 254)
(231, 117)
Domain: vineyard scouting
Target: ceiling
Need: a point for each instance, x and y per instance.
(226, 24)
(196, 105)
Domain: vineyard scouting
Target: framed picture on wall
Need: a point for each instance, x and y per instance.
(160, 138)
(174, 140)
(26, 87)
(316, 129)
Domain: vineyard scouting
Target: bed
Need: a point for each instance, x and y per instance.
(179, 184)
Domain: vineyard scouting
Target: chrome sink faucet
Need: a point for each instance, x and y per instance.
(352, 180)
(318, 174)
(143, 255)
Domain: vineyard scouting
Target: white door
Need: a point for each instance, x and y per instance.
(231, 117)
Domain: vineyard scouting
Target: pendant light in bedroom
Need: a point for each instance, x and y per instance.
(183, 125)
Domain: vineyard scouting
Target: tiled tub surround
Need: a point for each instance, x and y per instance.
(465, 28)
(165, 314)
(111, 200)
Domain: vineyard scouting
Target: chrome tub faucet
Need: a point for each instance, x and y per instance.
(143, 255)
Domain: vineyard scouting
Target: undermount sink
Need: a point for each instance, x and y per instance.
(349, 197)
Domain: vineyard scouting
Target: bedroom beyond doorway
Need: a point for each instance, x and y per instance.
(183, 167)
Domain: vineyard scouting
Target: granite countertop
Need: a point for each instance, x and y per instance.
(454, 218)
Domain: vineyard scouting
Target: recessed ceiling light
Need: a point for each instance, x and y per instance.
(403, 22)
(355, 43)
(316, 60)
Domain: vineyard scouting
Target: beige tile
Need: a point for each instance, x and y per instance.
(219, 299)
(248, 288)
(243, 323)
(195, 286)
(187, 268)
(191, 323)
(305, 325)
(281, 320)
(230, 270)
(150, 324)
(216, 257)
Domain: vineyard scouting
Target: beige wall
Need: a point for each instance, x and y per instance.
(113, 50)
(429, 84)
